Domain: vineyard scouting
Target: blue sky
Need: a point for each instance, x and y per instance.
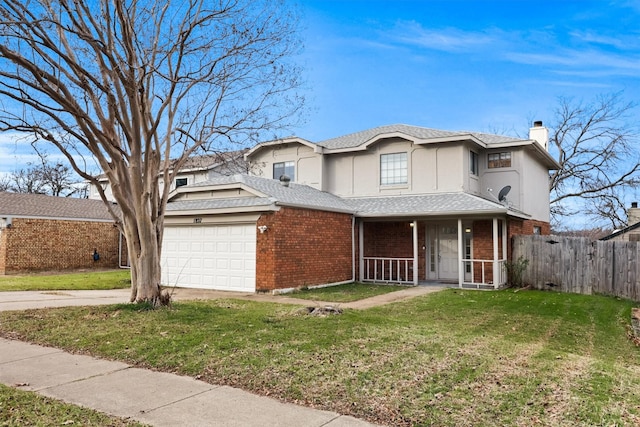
(492, 66)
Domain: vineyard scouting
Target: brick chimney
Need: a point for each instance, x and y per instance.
(633, 214)
(540, 134)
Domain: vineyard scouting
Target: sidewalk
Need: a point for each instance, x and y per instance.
(150, 397)
(156, 398)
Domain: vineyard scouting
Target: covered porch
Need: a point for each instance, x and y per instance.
(464, 251)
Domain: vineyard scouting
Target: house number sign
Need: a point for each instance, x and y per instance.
(197, 220)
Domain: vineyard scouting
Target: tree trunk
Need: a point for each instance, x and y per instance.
(144, 255)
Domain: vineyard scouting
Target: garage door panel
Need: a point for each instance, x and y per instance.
(210, 256)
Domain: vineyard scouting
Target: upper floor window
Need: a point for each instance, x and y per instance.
(393, 169)
(499, 160)
(180, 182)
(473, 162)
(284, 168)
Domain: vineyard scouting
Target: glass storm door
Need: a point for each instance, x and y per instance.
(448, 252)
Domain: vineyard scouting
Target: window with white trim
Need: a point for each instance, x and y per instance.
(393, 169)
(499, 160)
(284, 168)
(181, 181)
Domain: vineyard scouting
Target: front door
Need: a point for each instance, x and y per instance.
(448, 252)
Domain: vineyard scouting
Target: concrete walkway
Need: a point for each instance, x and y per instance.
(155, 398)
(23, 300)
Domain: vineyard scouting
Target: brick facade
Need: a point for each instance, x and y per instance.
(524, 227)
(303, 247)
(483, 248)
(395, 239)
(45, 244)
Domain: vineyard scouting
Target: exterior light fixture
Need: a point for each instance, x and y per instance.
(262, 228)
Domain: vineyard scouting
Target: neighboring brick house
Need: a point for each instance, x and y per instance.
(41, 233)
(391, 204)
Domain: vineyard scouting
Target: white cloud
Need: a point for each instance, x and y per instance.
(446, 40)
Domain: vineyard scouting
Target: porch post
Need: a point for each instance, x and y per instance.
(505, 240)
(496, 273)
(415, 252)
(460, 254)
(361, 249)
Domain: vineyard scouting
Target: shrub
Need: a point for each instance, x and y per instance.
(515, 270)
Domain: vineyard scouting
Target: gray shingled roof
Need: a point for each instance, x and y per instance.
(428, 204)
(359, 138)
(293, 195)
(305, 196)
(226, 203)
(42, 206)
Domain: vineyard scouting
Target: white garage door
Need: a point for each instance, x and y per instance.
(221, 257)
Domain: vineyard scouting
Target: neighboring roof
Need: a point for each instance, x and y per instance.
(270, 193)
(211, 161)
(439, 204)
(621, 231)
(359, 138)
(42, 206)
(227, 162)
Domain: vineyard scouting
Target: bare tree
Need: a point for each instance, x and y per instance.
(597, 151)
(42, 178)
(5, 183)
(137, 83)
(27, 180)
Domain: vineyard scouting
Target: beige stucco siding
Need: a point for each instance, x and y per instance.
(308, 164)
(430, 168)
(535, 183)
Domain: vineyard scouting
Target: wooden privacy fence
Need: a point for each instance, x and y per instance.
(580, 265)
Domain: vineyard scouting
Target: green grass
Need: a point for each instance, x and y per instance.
(23, 408)
(344, 293)
(450, 358)
(94, 280)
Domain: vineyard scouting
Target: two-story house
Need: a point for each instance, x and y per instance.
(395, 203)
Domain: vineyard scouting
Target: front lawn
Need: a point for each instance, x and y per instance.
(24, 408)
(451, 358)
(345, 293)
(90, 280)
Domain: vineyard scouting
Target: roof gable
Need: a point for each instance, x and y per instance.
(417, 134)
(265, 189)
(278, 142)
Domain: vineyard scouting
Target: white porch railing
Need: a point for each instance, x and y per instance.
(484, 273)
(391, 270)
